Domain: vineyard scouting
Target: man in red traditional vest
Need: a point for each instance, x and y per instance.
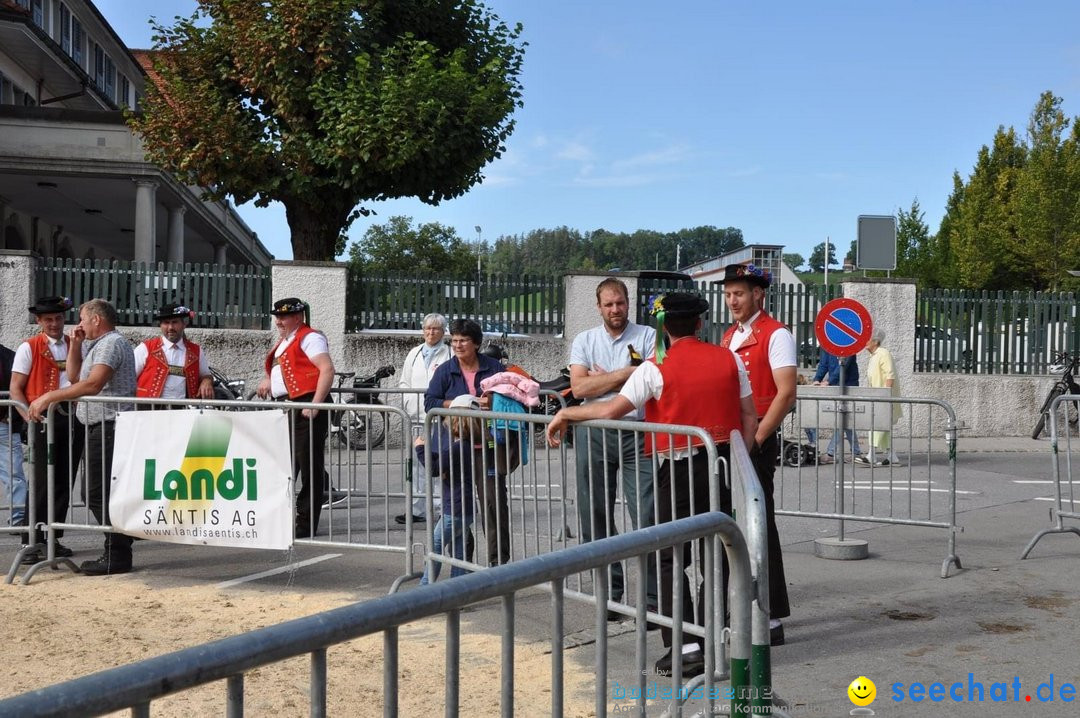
(767, 349)
(172, 366)
(299, 368)
(691, 383)
(40, 366)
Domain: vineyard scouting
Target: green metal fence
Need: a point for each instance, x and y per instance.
(233, 297)
(979, 332)
(795, 305)
(502, 304)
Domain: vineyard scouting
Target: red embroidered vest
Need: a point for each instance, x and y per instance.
(44, 370)
(754, 353)
(151, 382)
(299, 374)
(701, 388)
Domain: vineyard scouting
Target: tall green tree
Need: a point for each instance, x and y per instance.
(912, 241)
(985, 244)
(323, 105)
(817, 257)
(793, 259)
(1048, 196)
(427, 250)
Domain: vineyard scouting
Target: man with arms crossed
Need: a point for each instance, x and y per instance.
(600, 362)
(767, 349)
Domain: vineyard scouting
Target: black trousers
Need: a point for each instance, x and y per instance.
(99, 455)
(67, 453)
(308, 441)
(491, 492)
(765, 466)
(680, 485)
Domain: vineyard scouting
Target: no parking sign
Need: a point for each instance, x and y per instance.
(843, 327)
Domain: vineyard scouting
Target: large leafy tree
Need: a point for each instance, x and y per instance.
(793, 259)
(817, 257)
(324, 105)
(398, 247)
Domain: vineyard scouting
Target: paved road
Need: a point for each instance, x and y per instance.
(890, 617)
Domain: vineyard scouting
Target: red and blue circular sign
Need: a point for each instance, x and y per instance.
(843, 327)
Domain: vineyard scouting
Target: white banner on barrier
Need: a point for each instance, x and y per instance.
(219, 478)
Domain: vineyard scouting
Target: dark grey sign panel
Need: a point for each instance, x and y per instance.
(875, 247)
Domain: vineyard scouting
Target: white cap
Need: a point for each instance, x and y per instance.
(465, 401)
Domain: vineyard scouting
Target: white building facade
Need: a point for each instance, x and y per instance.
(74, 181)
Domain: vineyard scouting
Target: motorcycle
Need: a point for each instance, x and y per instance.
(361, 429)
(227, 389)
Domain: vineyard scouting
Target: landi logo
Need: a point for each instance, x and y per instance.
(202, 475)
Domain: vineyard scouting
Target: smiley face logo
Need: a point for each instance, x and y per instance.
(862, 691)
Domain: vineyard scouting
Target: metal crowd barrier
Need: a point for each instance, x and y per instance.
(1063, 417)
(541, 520)
(920, 490)
(372, 478)
(137, 685)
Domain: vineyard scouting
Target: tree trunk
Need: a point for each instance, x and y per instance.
(315, 229)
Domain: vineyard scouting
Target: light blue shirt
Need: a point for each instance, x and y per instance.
(595, 347)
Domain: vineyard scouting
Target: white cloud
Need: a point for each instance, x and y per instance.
(673, 154)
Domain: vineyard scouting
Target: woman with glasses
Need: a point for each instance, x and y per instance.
(462, 375)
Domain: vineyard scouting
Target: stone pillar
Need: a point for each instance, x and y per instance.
(891, 303)
(145, 220)
(16, 294)
(175, 251)
(221, 253)
(322, 285)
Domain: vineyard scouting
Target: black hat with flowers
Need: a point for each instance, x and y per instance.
(51, 305)
(174, 311)
(748, 273)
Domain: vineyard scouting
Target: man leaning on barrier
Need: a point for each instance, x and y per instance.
(41, 366)
(171, 365)
(105, 365)
(601, 360)
(691, 383)
(767, 349)
(299, 368)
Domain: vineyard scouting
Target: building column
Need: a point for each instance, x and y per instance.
(220, 253)
(145, 220)
(175, 249)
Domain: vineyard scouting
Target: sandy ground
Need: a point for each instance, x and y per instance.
(62, 626)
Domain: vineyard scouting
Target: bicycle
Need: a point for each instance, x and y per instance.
(361, 429)
(1065, 385)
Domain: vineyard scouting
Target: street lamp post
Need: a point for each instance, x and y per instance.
(478, 245)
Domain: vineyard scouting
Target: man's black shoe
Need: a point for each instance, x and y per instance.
(776, 635)
(31, 557)
(107, 565)
(334, 497)
(63, 551)
(693, 664)
(400, 518)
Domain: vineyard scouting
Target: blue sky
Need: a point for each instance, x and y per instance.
(784, 119)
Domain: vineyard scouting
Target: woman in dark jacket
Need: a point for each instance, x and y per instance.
(462, 375)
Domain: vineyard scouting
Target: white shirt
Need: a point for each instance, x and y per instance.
(24, 358)
(781, 343)
(313, 345)
(596, 347)
(175, 386)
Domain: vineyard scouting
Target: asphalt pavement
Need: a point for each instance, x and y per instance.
(999, 628)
